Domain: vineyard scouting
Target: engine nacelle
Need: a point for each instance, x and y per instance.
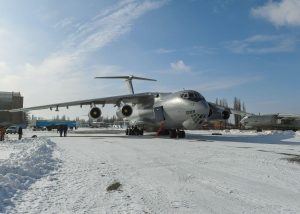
(126, 110)
(225, 114)
(218, 113)
(95, 113)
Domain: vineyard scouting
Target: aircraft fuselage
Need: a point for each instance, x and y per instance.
(180, 110)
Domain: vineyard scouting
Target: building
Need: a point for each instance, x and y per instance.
(11, 100)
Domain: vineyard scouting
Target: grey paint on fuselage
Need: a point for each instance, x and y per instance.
(272, 121)
(179, 112)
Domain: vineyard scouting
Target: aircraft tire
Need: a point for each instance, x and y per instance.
(181, 134)
(172, 133)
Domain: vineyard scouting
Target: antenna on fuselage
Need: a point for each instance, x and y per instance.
(128, 80)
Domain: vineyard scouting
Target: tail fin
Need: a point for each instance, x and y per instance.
(128, 79)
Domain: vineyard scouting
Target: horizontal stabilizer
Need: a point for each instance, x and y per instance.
(126, 78)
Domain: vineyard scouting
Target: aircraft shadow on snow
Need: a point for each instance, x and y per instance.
(260, 139)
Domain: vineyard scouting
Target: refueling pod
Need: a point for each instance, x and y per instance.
(95, 113)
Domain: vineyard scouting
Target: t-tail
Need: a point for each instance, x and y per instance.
(128, 80)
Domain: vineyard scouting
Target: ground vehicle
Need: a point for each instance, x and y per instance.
(51, 124)
(12, 130)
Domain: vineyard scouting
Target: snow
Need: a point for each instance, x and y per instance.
(29, 160)
(236, 172)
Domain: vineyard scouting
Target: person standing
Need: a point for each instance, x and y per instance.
(65, 130)
(2, 133)
(20, 132)
(60, 130)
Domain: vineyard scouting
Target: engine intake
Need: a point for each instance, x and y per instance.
(218, 113)
(225, 115)
(95, 113)
(127, 110)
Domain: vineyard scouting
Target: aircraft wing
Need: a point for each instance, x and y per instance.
(241, 113)
(230, 110)
(116, 100)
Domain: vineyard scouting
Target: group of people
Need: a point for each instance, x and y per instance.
(62, 129)
(3, 132)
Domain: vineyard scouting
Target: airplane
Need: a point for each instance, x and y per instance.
(272, 121)
(171, 113)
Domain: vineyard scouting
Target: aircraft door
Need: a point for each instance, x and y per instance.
(159, 113)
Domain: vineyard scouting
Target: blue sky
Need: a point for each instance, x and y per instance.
(50, 50)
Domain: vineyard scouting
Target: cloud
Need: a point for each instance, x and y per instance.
(63, 23)
(164, 51)
(180, 66)
(223, 84)
(110, 25)
(279, 13)
(63, 72)
(263, 44)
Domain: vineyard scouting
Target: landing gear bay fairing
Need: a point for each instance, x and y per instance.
(170, 113)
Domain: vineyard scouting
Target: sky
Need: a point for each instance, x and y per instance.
(51, 50)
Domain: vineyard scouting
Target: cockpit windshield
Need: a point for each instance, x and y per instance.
(192, 95)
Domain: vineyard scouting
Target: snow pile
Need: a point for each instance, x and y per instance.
(23, 168)
(279, 132)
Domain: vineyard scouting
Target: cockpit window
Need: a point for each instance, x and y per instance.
(193, 96)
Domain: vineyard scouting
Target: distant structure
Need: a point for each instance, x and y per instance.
(272, 121)
(11, 100)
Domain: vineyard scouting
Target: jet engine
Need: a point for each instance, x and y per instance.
(225, 114)
(95, 113)
(125, 111)
(218, 113)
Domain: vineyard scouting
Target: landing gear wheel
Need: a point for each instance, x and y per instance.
(173, 133)
(181, 134)
(134, 131)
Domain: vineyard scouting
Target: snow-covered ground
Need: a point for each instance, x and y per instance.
(236, 172)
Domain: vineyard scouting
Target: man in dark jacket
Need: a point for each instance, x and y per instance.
(2, 133)
(60, 129)
(20, 132)
(65, 130)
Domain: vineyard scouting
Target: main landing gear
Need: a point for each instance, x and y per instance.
(134, 131)
(176, 133)
(173, 133)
